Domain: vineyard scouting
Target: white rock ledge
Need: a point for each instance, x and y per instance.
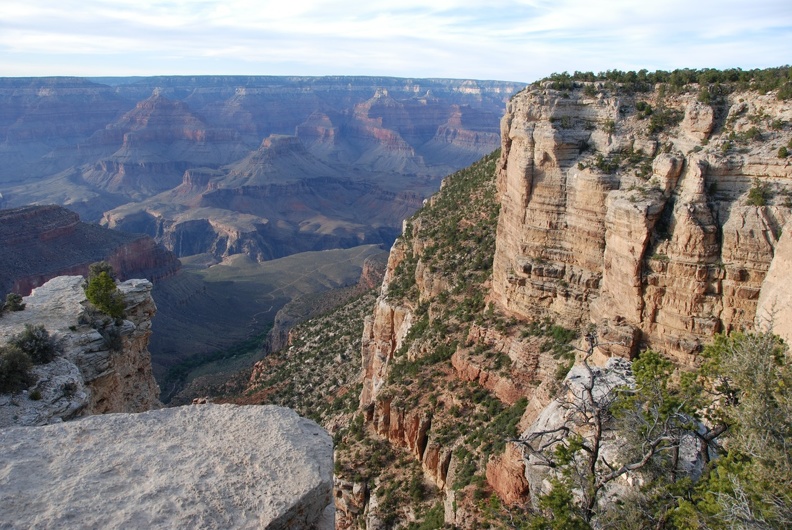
(197, 467)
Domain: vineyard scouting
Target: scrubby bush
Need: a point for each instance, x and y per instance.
(759, 194)
(36, 342)
(14, 369)
(97, 268)
(14, 302)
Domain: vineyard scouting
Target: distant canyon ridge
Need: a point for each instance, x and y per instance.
(265, 166)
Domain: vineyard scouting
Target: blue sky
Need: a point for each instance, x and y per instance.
(507, 40)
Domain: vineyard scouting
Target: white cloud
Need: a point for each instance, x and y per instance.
(506, 39)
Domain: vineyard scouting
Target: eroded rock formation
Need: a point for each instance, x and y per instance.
(102, 367)
(657, 237)
(658, 232)
(42, 242)
(266, 166)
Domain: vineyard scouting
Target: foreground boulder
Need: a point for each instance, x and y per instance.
(208, 466)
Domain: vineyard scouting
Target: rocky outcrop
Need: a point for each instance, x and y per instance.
(570, 412)
(103, 366)
(206, 466)
(774, 307)
(654, 236)
(383, 333)
(268, 211)
(526, 370)
(42, 242)
(506, 475)
(373, 271)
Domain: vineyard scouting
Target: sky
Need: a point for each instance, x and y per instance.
(511, 40)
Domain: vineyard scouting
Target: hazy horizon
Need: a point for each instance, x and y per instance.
(518, 40)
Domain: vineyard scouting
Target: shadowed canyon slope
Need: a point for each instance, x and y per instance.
(266, 166)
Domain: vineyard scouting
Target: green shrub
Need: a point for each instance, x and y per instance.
(704, 95)
(783, 152)
(433, 519)
(753, 134)
(14, 302)
(14, 369)
(36, 342)
(102, 292)
(663, 118)
(759, 194)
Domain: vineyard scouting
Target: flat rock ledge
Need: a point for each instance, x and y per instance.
(201, 466)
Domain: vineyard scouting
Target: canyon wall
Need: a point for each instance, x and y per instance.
(658, 237)
(266, 166)
(656, 218)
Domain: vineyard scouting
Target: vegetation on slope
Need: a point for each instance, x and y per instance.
(451, 242)
(707, 448)
(317, 373)
(453, 239)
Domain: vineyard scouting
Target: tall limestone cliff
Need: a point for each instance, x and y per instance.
(446, 378)
(653, 215)
(102, 366)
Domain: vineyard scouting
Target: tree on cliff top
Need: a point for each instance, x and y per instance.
(650, 418)
(102, 292)
(98, 267)
(14, 302)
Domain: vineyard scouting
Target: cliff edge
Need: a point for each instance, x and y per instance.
(102, 366)
(208, 466)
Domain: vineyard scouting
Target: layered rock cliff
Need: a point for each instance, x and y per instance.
(653, 216)
(102, 366)
(658, 231)
(641, 214)
(278, 201)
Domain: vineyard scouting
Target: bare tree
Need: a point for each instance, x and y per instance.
(611, 422)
